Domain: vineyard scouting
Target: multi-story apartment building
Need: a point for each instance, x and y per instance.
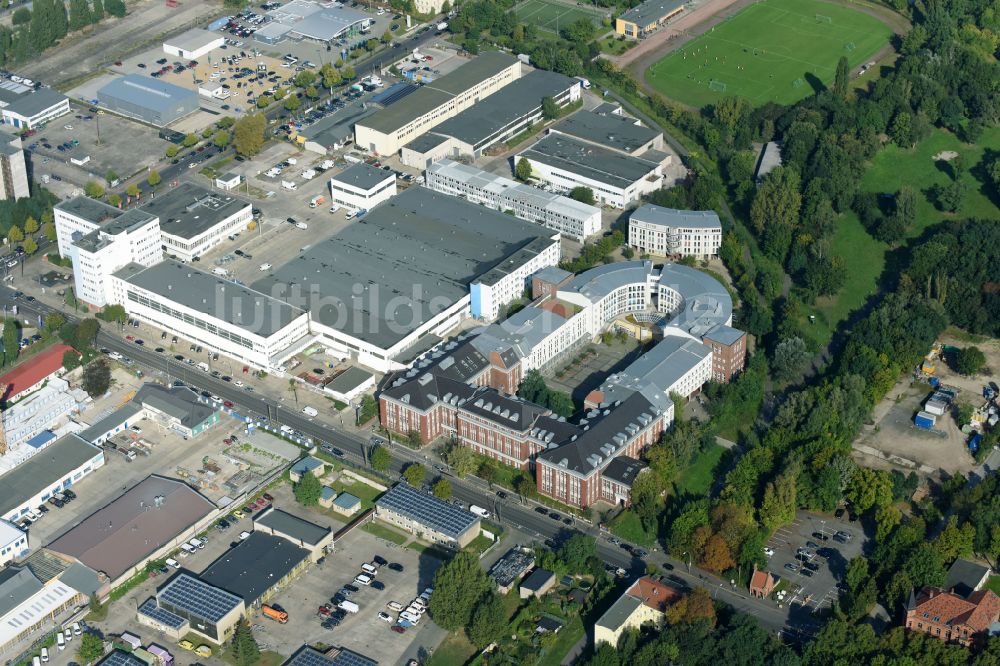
(666, 232)
(388, 130)
(131, 237)
(13, 171)
(562, 214)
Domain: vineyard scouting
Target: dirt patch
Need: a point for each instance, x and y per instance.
(945, 155)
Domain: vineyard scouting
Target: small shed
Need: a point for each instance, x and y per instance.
(308, 465)
(326, 497)
(132, 640)
(537, 584)
(346, 504)
(228, 181)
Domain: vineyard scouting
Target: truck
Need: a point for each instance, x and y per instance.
(310, 411)
(309, 174)
(442, 26)
(318, 200)
(479, 511)
(583, 82)
(348, 606)
(279, 616)
(288, 185)
(924, 420)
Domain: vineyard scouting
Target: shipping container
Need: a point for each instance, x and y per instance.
(924, 420)
(936, 407)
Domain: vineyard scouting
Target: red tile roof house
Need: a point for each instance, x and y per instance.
(32, 373)
(950, 617)
(761, 583)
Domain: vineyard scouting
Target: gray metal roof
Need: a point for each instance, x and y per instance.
(651, 11)
(537, 579)
(427, 510)
(146, 92)
(179, 402)
(43, 470)
(349, 380)
(198, 598)
(315, 21)
(240, 306)
(438, 92)
(518, 99)
(589, 161)
(619, 612)
(671, 217)
(363, 176)
(726, 335)
(522, 332)
(337, 127)
(426, 142)
(30, 104)
(81, 578)
(91, 210)
(623, 470)
(189, 210)
(101, 237)
(965, 576)
(609, 130)
(254, 566)
(552, 274)
(653, 373)
(125, 531)
(17, 585)
(291, 525)
(418, 248)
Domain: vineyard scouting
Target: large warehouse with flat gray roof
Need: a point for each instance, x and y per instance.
(410, 271)
(147, 99)
(388, 130)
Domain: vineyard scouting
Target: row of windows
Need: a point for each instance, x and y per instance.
(189, 319)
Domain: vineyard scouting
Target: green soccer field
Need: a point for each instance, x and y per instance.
(552, 16)
(772, 51)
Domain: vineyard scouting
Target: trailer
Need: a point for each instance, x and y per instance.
(924, 420)
(935, 407)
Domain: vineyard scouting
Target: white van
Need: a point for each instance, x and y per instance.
(35, 661)
(363, 579)
(310, 411)
(196, 543)
(410, 617)
(60, 642)
(479, 511)
(185, 548)
(218, 270)
(369, 569)
(394, 606)
(302, 225)
(172, 563)
(203, 366)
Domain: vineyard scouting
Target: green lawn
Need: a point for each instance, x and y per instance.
(994, 583)
(698, 478)
(454, 650)
(865, 258)
(386, 533)
(362, 491)
(551, 15)
(892, 168)
(567, 637)
(613, 45)
(627, 525)
(772, 51)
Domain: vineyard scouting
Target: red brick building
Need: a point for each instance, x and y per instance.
(951, 617)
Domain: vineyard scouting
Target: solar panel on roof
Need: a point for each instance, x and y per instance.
(426, 509)
(197, 597)
(161, 615)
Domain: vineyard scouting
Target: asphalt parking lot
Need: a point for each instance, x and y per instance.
(363, 632)
(820, 589)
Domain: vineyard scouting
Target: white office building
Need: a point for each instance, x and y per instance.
(668, 232)
(133, 237)
(362, 186)
(616, 179)
(24, 107)
(220, 315)
(13, 542)
(194, 219)
(559, 213)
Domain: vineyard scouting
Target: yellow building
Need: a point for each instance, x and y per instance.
(640, 21)
(645, 602)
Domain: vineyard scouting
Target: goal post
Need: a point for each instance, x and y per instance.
(716, 86)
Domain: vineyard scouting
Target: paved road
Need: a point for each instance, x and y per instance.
(794, 622)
